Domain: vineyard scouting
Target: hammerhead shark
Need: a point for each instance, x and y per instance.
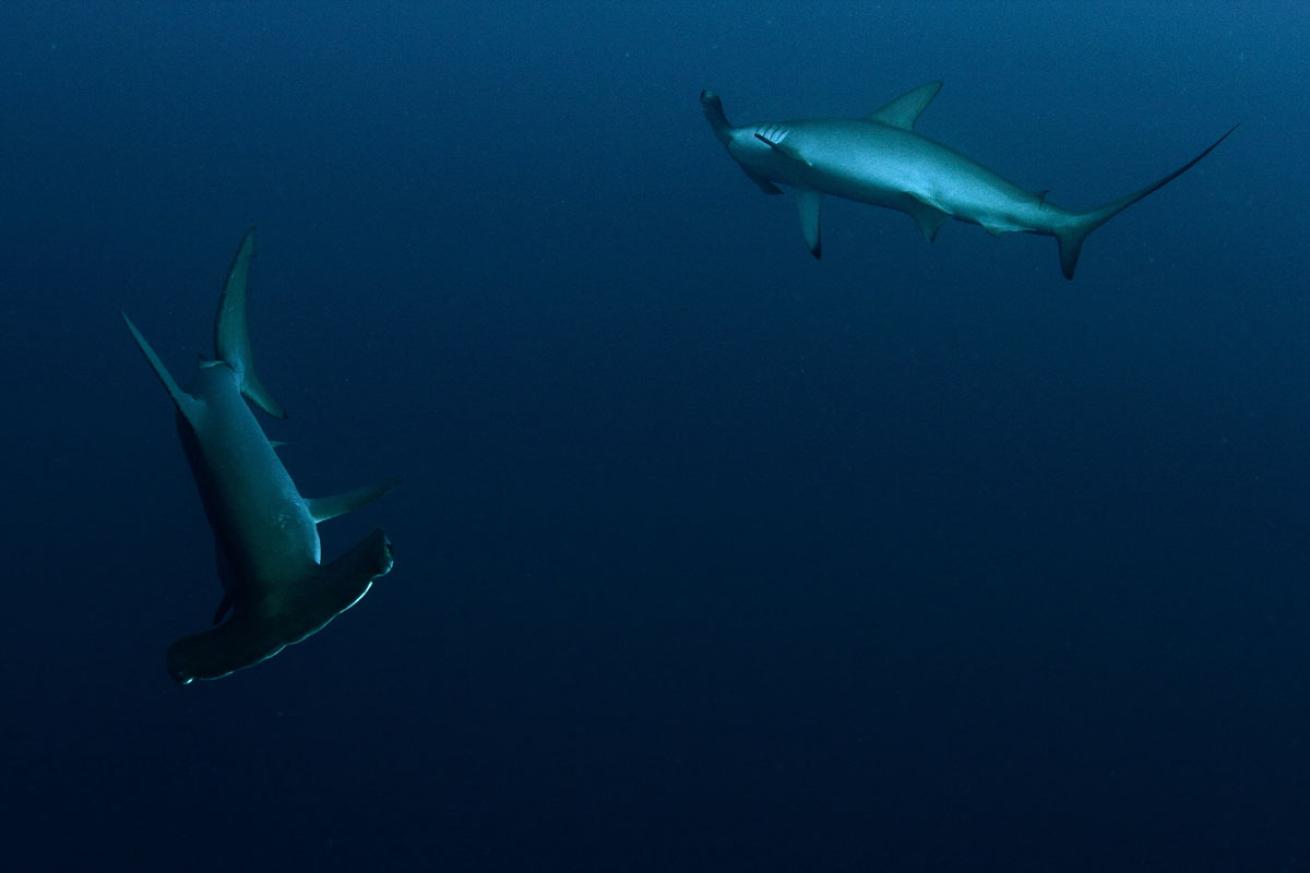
(881, 160)
(266, 534)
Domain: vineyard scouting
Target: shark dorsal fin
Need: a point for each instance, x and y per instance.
(231, 334)
(905, 110)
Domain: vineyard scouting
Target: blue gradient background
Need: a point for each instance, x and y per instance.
(709, 556)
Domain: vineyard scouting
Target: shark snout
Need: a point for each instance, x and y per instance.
(712, 106)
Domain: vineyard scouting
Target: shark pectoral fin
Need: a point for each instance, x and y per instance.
(256, 635)
(810, 205)
(928, 218)
(232, 333)
(184, 402)
(765, 185)
(324, 508)
(224, 607)
(783, 148)
(905, 110)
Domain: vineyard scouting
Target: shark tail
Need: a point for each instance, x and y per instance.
(259, 632)
(1072, 234)
(232, 332)
(181, 399)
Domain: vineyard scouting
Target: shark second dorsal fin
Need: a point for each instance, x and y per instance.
(232, 334)
(905, 110)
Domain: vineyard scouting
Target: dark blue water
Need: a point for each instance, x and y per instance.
(709, 556)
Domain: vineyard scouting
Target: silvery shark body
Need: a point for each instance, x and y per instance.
(881, 160)
(266, 533)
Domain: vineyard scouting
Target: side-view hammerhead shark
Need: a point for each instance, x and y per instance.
(881, 160)
(265, 533)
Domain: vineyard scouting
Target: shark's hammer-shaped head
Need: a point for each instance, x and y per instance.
(750, 147)
(712, 106)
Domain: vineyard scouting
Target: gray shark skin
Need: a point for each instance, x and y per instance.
(265, 532)
(882, 161)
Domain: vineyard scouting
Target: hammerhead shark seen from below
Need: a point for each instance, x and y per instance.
(881, 160)
(265, 533)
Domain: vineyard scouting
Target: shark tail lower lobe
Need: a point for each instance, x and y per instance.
(1072, 235)
(255, 635)
(232, 331)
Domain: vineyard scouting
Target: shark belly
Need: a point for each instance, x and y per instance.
(885, 166)
(277, 593)
(263, 526)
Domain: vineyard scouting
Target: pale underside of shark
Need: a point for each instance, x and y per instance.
(882, 161)
(266, 533)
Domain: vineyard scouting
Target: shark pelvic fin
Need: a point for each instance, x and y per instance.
(905, 110)
(810, 205)
(325, 508)
(783, 148)
(182, 400)
(258, 633)
(232, 333)
(928, 218)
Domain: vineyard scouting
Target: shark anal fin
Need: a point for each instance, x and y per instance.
(184, 402)
(232, 332)
(809, 204)
(783, 148)
(257, 634)
(325, 508)
(905, 110)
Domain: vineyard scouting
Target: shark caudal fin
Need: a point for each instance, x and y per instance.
(181, 399)
(257, 632)
(1072, 235)
(232, 334)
